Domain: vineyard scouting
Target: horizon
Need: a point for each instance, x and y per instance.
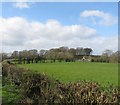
(38, 50)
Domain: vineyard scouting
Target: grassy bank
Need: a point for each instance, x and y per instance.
(104, 73)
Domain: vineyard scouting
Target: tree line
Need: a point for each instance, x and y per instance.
(61, 54)
(55, 54)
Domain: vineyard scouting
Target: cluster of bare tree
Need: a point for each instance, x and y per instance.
(111, 56)
(59, 54)
(108, 56)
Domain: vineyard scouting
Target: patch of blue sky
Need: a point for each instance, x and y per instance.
(65, 0)
(66, 13)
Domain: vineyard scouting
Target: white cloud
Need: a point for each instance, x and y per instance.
(101, 43)
(106, 19)
(21, 4)
(19, 33)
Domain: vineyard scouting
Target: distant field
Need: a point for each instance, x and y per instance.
(104, 73)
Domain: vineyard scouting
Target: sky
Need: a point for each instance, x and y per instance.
(45, 25)
(63, 0)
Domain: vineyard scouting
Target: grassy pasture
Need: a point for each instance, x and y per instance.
(104, 73)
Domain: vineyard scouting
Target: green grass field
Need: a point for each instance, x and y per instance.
(104, 73)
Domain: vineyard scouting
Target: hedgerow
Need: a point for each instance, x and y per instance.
(25, 86)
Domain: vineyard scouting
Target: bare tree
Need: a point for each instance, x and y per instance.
(87, 51)
(114, 57)
(107, 52)
(15, 55)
